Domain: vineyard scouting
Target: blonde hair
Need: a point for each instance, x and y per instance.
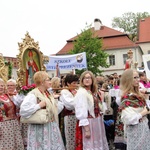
(126, 82)
(55, 82)
(105, 86)
(39, 77)
(94, 86)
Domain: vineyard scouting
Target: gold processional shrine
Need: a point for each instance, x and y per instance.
(30, 60)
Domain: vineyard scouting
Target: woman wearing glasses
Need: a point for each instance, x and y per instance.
(133, 112)
(10, 135)
(90, 131)
(42, 136)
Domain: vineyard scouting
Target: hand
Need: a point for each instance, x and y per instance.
(56, 96)
(143, 91)
(87, 134)
(145, 111)
(87, 131)
(42, 104)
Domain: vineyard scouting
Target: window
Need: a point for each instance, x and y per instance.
(125, 57)
(112, 60)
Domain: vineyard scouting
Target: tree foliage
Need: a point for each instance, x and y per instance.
(89, 43)
(128, 23)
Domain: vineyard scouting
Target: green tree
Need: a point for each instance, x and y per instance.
(89, 43)
(128, 23)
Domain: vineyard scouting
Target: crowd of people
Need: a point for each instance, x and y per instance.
(85, 112)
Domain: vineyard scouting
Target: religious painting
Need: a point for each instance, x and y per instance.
(31, 64)
(30, 60)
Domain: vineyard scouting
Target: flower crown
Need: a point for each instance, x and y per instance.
(26, 89)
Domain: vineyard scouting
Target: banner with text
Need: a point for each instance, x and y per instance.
(67, 62)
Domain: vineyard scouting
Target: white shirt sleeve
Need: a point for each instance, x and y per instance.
(131, 116)
(67, 99)
(81, 108)
(18, 99)
(60, 106)
(29, 106)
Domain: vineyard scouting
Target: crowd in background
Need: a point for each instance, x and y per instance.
(86, 112)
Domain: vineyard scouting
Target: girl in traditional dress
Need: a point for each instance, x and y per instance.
(42, 136)
(133, 111)
(67, 98)
(10, 135)
(90, 131)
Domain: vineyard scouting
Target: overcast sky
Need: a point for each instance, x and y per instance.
(52, 22)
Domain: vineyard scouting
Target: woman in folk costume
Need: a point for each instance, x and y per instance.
(12, 92)
(55, 91)
(90, 130)
(42, 136)
(67, 98)
(133, 112)
(10, 135)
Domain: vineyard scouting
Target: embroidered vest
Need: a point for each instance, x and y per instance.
(50, 103)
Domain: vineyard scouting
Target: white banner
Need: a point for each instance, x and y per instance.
(67, 62)
(146, 60)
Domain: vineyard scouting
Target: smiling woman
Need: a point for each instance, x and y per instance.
(11, 87)
(10, 135)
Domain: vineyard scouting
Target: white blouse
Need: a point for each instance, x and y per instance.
(29, 106)
(84, 103)
(67, 99)
(131, 115)
(60, 106)
(116, 93)
(18, 99)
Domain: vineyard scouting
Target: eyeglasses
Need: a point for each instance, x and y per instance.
(47, 79)
(87, 78)
(136, 77)
(11, 85)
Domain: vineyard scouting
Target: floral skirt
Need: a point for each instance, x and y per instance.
(70, 125)
(10, 135)
(24, 130)
(138, 136)
(44, 137)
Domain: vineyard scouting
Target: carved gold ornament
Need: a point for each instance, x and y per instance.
(28, 48)
(3, 69)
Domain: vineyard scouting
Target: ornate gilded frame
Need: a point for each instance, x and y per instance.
(3, 69)
(28, 44)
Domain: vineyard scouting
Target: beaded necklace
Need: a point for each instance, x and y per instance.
(45, 93)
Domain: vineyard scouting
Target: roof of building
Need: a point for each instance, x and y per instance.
(144, 30)
(112, 39)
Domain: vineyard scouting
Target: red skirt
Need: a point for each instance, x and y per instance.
(79, 144)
